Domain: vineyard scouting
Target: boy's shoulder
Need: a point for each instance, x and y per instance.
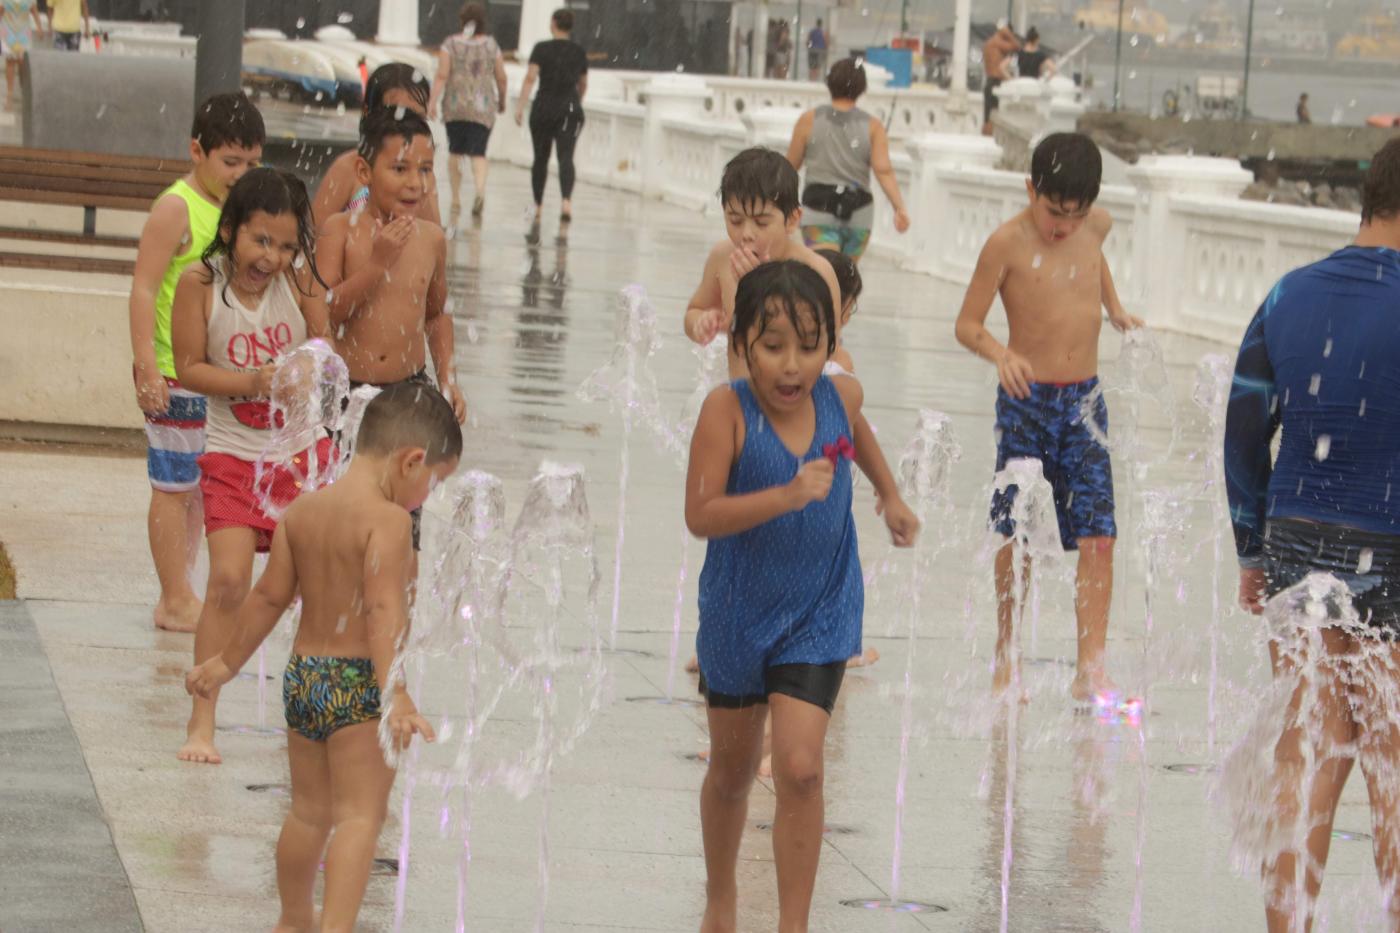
(1099, 222)
(169, 211)
(429, 232)
(338, 224)
(720, 251)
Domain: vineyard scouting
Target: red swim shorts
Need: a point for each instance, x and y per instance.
(230, 501)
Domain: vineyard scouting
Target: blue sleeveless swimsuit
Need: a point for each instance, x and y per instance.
(790, 590)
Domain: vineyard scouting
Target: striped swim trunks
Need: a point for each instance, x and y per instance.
(174, 441)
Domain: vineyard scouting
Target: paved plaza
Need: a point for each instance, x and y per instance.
(1111, 825)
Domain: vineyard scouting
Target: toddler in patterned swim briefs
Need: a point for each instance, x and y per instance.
(1047, 264)
(781, 593)
(347, 549)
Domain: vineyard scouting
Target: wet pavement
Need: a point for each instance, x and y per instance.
(1111, 826)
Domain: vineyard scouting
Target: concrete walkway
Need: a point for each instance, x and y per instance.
(1110, 825)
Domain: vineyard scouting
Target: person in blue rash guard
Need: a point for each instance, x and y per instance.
(1321, 361)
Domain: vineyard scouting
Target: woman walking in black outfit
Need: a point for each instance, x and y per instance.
(556, 119)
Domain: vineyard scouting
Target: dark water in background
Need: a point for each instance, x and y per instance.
(1343, 99)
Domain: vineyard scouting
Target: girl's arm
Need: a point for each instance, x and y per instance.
(899, 518)
(439, 82)
(502, 82)
(709, 511)
(189, 336)
(311, 298)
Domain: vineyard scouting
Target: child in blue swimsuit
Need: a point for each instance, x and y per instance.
(781, 593)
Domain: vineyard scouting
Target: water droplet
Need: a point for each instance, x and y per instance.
(1315, 383)
(1324, 446)
(301, 22)
(1361, 412)
(1036, 261)
(1271, 155)
(1362, 374)
(1327, 348)
(1073, 271)
(101, 110)
(1363, 562)
(344, 18)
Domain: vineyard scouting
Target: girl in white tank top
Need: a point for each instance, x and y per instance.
(255, 297)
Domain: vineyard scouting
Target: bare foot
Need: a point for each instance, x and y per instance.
(176, 617)
(864, 659)
(721, 915)
(199, 749)
(693, 665)
(1004, 679)
(1089, 684)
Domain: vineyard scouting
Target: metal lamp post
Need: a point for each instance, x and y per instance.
(1248, 49)
(1118, 56)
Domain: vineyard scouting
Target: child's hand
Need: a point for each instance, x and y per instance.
(152, 394)
(744, 260)
(1014, 371)
(812, 483)
(1252, 590)
(405, 720)
(900, 520)
(458, 401)
(1127, 322)
(262, 380)
(389, 241)
(901, 220)
(708, 326)
(208, 677)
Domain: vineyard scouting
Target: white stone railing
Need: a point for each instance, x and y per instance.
(1185, 252)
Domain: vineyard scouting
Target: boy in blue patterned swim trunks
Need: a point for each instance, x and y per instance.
(1047, 264)
(347, 549)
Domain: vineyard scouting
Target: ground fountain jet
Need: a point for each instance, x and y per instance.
(1214, 375)
(309, 391)
(347, 429)
(925, 479)
(465, 591)
(553, 530)
(629, 386)
(1035, 537)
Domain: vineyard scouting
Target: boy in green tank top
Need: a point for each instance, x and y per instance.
(226, 141)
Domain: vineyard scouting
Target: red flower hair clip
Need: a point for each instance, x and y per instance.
(843, 448)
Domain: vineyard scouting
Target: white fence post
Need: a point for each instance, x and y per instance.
(667, 96)
(1161, 251)
(932, 222)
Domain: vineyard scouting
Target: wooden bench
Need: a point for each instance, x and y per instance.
(90, 180)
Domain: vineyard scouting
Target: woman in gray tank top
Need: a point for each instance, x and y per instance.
(842, 145)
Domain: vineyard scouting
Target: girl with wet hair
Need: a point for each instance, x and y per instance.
(255, 297)
(781, 592)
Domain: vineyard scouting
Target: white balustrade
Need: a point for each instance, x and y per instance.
(1185, 252)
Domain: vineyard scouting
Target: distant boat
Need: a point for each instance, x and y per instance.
(1378, 37)
(1102, 16)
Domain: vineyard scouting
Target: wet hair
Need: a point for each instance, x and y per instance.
(563, 20)
(410, 414)
(1067, 167)
(758, 177)
(846, 79)
(1032, 35)
(847, 275)
(1380, 191)
(227, 120)
(787, 287)
(271, 191)
(383, 124)
(475, 14)
(395, 76)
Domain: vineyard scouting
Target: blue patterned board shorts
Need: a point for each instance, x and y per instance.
(322, 695)
(1049, 427)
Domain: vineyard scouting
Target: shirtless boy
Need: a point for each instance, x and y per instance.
(387, 268)
(761, 216)
(1047, 264)
(346, 549)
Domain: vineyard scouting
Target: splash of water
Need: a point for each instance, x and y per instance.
(309, 390)
(627, 383)
(1214, 375)
(925, 479)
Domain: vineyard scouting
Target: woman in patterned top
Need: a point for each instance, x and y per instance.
(471, 86)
